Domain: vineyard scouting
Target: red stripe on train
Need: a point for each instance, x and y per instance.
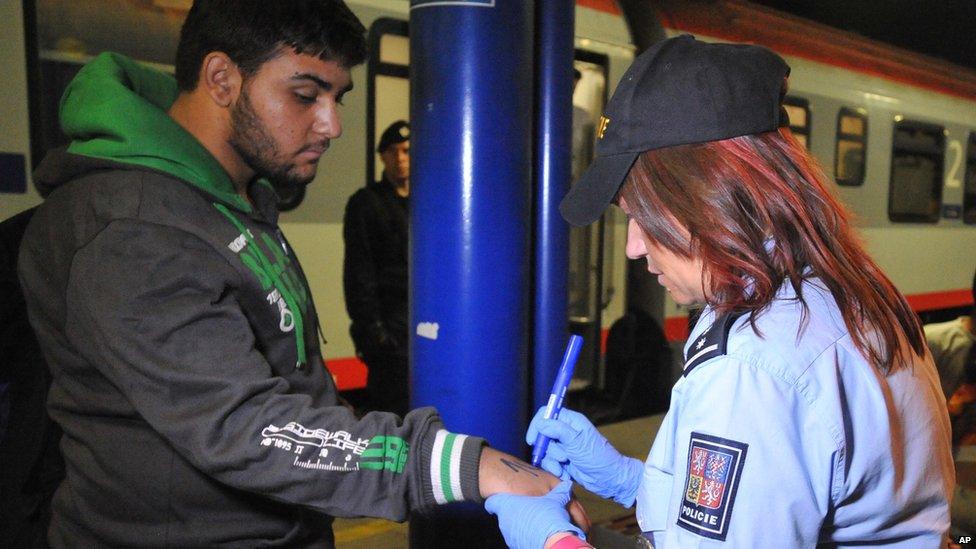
(609, 6)
(940, 300)
(738, 21)
(676, 327)
(350, 372)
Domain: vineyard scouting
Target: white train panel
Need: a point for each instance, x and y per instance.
(920, 258)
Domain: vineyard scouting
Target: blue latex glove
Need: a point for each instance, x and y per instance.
(578, 451)
(527, 522)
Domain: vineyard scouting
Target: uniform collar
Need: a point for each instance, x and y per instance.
(712, 343)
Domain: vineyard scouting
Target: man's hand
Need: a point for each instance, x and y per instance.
(500, 473)
(578, 515)
(529, 522)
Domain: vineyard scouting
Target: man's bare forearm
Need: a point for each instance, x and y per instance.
(499, 472)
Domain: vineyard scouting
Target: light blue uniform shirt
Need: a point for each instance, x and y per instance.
(790, 440)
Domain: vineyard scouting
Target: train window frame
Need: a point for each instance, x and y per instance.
(906, 147)
(375, 67)
(843, 136)
(969, 182)
(35, 87)
(805, 128)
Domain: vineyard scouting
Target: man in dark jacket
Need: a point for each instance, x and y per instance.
(175, 317)
(375, 272)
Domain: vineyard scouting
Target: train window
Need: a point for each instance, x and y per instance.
(395, 48)
(68, 34)
(852, 136)
(915, 191)
(798, 109)
(388, 84)
(969, 192)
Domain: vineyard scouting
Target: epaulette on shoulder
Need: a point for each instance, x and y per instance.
(712, 343)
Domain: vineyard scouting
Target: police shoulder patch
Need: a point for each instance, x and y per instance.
(714, 470)
(712, 343)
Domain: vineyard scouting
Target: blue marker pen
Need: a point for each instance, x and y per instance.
(559, 388)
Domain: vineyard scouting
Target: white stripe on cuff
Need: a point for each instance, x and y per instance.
(435, 467)
(456, 466)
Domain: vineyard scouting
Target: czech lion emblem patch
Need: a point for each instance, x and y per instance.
(714, 469)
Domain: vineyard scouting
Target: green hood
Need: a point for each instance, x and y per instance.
(115, 109)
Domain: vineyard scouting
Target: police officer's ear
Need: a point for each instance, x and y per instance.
(221, 78)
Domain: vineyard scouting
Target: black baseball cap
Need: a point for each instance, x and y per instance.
(397, 132)
(679, 91)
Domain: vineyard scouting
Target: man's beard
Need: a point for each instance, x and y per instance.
(251, 140)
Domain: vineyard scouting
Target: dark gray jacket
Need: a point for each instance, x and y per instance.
(181, 336)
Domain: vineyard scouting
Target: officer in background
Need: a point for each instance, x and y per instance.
(375, 272)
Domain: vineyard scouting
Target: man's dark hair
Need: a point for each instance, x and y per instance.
(252, 32)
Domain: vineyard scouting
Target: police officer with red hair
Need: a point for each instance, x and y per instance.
(808, 411)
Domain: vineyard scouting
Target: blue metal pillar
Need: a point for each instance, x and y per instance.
(553, 171)
(471, 150)
(470, 214)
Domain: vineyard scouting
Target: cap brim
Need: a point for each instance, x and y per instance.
(591, 194)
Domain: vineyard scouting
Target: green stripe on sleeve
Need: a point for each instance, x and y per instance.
(446, 467)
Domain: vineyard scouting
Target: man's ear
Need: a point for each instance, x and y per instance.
(220, 78)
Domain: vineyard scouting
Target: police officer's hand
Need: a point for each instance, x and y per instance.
(578, 451)
(527, 522)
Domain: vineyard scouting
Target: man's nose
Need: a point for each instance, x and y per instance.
(327, 122)
(635, 248)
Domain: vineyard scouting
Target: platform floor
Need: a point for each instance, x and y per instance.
(631, 437)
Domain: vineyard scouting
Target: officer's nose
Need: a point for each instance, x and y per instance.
(636, 247)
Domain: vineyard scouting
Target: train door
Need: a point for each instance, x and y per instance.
(388, 84)
(589, 292)
(625, 368)
(589, 273)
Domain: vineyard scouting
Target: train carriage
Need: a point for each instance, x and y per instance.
(896, 130)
